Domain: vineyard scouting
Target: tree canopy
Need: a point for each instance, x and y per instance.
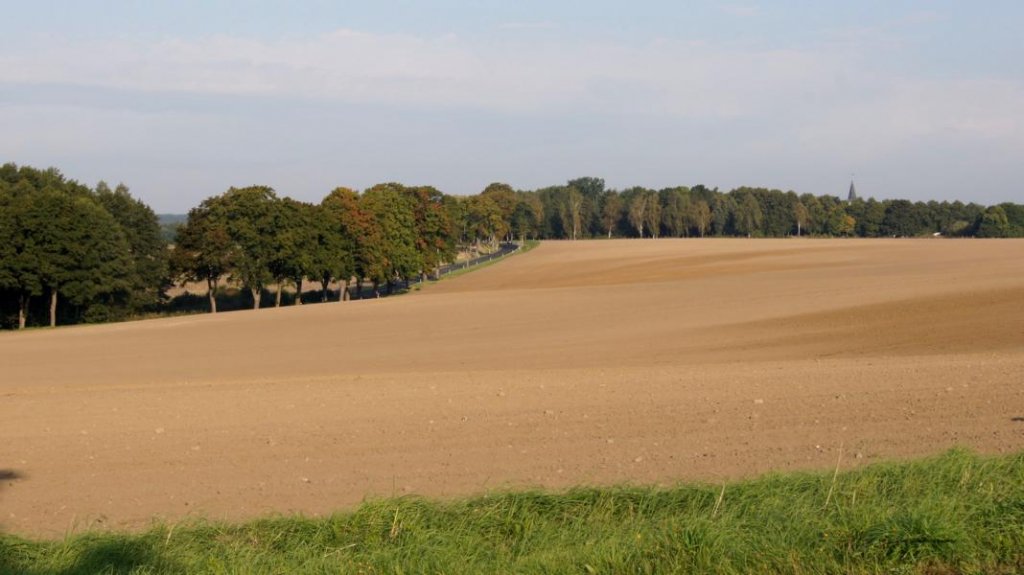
(94, 250)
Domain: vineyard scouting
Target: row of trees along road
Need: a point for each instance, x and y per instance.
(75, 254)
(388, 234)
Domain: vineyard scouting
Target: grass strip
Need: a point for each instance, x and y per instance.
(955, 513)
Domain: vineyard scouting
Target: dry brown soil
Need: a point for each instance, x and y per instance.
(579, 362)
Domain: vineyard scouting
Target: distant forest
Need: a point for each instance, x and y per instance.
(74, 254)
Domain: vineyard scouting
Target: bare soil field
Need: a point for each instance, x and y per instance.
(644, 361)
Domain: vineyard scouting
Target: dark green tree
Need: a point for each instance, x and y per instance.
(79, 249)
(870, 218)
(295, 246)
(675, 207)
(723, 210)
(204, 251)
(748, 215)
(149, 254)
(816, 214)
(1014, 217)
(393, 210)
(904, 219)
(251, 219)
(993, 223)
(19, 263)
(528, 216)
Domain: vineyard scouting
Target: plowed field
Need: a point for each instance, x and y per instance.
(594, 362)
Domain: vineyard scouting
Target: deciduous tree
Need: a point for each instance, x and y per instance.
(800, 216)
(611, 212)
(701, 216)
(993, 223)
(350, 242)
(148, 249)
(251, 214)
(748, 215)
(295, 245)
(394, 211)
(203, 250)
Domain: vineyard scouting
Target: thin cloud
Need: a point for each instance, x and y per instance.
(888, 33)
(661, 100)
(539, 25)
(741, 10)
(676, 79)
(660, 77)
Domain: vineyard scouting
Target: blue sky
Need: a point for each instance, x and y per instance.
(180, 100)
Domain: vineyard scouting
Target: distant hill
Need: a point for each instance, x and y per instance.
(169, 225)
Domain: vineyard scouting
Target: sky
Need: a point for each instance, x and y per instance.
(181, 100)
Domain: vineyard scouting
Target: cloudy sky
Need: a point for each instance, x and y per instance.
(180, 100)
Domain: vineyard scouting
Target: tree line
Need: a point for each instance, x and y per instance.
(583, 208)
(388, 234)
(71, 254)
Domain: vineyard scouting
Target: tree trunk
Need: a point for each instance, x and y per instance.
(298, 291)
(257, 292)
(211, 291)
(324, 282)
(798, 229)
(280, 288)
(359, 288)
(344, 295)
(53, 308)
(22, 310)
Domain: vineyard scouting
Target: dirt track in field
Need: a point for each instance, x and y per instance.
(586, 362)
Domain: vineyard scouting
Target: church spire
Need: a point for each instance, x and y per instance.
(853, 192)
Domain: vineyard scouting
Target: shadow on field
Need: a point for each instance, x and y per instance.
(1018, 419)
(233, 299)
(9, 475)
(120, 554)
(113, 554)
(6, 563)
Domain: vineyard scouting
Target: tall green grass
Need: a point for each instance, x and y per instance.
(956, 513)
